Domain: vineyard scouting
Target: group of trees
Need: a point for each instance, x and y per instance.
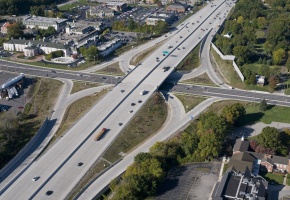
(54, 54)
(90, 53)
(271, 141)
(15, 132)
(249, 16)
(131, 25)
(204, 141)
(46, 11)
(16, 7)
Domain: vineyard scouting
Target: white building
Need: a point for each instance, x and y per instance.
(109, 47)
(44, 22)
(35, 47)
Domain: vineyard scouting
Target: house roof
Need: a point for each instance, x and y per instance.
(267, 160)
(38, 42)
(241, 145)
(244, 156)
(273, 159)
(7, 24)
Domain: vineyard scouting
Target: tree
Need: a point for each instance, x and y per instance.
(263, 105)
(16, 30)
(233, 112)
(265, 71)
(89, 53)
(273, 81)
(262, 22)
(288, 64)
(270, 137)
(278, 56)
(240, 20)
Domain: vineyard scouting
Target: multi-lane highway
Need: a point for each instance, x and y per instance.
(56, 73)
(253, 96)
(58, 168)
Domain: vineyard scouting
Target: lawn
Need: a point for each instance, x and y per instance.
(113, 69)
(288, 180)
(76, 110)
(276, 179)
(68, 6)
(146, 122)
(189, 101)
(202, 79)
(227, 69)
(191, 61)
(80, 85)
(273, 114)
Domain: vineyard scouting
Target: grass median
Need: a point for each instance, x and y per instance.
(189, 101)
(191, 61)
(112, 69)
(202, 79)
(80, 85)
(146, 122)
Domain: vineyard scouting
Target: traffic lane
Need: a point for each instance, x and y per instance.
(53, 73)
(234, 94)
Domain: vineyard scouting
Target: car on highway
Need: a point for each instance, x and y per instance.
(104, 77)
(52, 71)
(120, 124)
(79, 74)
(80, 164)
(130, 111)
(36, 178)
(183, 47)
(140, 101)
(49, 192)
(122, 91)
(133, 104)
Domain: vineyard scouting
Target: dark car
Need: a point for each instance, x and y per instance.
(49, 192)
(80, 164)
(139, 101)
(120, 124)
(133, 104)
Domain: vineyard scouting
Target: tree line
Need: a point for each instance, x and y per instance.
(204, 141)
(131, 25)
(16, 7)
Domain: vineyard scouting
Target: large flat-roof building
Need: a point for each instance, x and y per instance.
(117, 6)
(100, 11)
(44, 22)
(236, 185)
(177, 7)
(109, 47)
(32, 48)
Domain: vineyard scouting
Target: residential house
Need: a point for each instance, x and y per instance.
(236, 185)
(270, 163)
(241, 145)
(261, 80)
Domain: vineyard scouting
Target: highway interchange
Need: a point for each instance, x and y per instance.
(58, 168)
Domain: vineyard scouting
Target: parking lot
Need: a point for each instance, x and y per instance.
(193, 181)
(15, 104)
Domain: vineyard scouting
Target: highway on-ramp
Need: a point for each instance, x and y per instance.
(58, 168)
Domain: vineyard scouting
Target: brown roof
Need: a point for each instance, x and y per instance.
(8, 24)
(244, 156)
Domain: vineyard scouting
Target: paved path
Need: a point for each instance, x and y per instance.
(255, 129)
